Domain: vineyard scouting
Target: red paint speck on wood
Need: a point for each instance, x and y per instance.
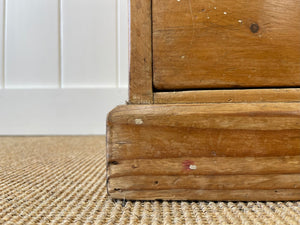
(186, 164)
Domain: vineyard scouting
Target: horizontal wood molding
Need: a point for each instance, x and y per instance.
(209, 151)
(231, 116)
(207, 166)
(230, 96)
(210, 195)
(206, 182)
(174, 142)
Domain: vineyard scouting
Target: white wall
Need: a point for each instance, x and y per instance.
(63, 65)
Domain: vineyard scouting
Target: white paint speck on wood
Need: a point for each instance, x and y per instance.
(138, 121)
(193, 167)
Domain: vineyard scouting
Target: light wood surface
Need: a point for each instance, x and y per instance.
(206, 166)
(217, 151)
(231, 96)
(207, 182)
(210, 195)
(230, 116)
(226, 44)
(155, 141)
(240, 141)
(140, 52)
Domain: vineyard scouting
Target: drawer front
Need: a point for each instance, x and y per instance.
(201, 44)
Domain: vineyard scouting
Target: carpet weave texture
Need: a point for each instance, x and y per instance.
(61, 180)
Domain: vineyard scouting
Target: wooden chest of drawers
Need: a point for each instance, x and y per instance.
(214, 103)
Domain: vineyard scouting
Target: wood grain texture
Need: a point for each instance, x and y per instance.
(206, 182)
(230, 116)
(210, 195)
(140, 52)
(207, 166)
(154, 141)
(226, 44)
(217, 151)
(233, 96)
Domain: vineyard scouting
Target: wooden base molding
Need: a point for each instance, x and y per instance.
(230, 96)
(210, 195)
(213, 151)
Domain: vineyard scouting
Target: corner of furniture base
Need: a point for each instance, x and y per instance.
(217, 152)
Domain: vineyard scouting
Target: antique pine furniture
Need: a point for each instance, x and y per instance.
(214, 102)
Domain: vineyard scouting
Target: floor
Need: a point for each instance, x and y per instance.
(61, 180)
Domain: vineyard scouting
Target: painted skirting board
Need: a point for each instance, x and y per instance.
(57, 111)
(63, 65)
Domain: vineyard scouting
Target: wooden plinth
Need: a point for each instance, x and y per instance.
(216, 151)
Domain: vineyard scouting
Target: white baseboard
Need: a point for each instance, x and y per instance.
(57, 111)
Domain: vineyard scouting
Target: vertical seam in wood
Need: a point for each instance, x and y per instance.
(60, 44)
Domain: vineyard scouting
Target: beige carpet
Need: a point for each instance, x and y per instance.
(61, 180)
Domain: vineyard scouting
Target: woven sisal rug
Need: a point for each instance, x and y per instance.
(61, 180)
